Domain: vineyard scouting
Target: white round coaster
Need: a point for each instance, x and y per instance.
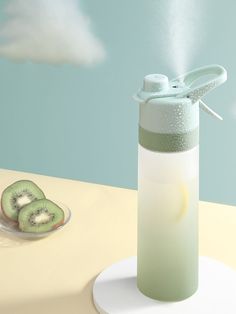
(115, 291)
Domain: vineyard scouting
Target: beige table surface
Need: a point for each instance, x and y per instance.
(55, 275)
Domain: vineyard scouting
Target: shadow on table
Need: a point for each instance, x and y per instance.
(78, 303)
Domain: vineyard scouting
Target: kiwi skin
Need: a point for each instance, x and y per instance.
(16, 186)
(12, 220)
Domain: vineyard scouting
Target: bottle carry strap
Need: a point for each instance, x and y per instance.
(197, 92)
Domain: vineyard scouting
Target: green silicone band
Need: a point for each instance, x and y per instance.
(162, 142)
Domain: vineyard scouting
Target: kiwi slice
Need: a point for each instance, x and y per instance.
(40, 216)
(17, 195)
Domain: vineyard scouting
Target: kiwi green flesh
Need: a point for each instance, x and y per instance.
(40, 216)
(17, 195)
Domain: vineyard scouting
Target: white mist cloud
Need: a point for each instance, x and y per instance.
(183, 31)
(51, 31)
(177, 31)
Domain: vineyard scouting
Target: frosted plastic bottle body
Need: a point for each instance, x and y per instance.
(168, 223)
(168, 181)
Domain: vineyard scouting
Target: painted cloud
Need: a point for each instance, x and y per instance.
(51, 31)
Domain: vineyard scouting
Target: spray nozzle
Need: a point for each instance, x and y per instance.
(158, 86)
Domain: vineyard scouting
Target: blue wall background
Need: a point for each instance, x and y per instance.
(81, 123)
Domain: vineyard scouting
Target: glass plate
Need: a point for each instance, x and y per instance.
(12, 228)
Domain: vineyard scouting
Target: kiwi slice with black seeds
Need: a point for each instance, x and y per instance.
(40, 216)
(17, 195)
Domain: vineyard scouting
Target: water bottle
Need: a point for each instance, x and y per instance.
(168, 181)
